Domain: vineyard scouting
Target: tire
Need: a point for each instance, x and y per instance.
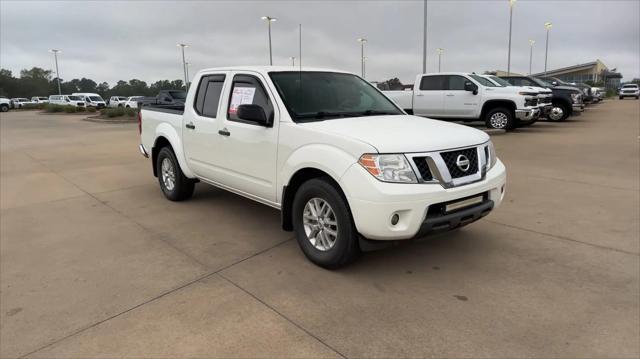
(621, 97)
(500, 118)
(128, 106)
(120, 105)
(637, 97)
(4, 107)
(559, 112)
(174, 184)
(337, 222)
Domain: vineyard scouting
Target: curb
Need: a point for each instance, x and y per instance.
(104, 120)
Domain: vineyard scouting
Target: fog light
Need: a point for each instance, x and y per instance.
(394, 219)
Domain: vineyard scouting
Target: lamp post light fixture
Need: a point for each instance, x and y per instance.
(293, 60)
(547, 26)
(440, 52)
(269, 20)
(511, 4)
(531, 42)
(55, 53)
(184, 63)
(362, 41)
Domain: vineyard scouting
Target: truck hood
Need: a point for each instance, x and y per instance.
(402, 133)
(567, 88)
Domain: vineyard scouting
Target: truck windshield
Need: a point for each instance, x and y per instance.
(314, 96)
(483, 81)
(96, 98)
(74, 98)
(502, 82)
(541, 82)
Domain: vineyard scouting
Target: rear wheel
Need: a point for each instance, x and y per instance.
(500, 118)
(559, 112)
(174, 184)
(323, 225)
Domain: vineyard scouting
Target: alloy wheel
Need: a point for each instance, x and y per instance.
(498, 120)
(168, 174)
(556, 113)
(320, 224)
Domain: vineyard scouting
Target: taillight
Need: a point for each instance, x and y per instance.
(140, 122)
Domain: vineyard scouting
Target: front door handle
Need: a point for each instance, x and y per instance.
(450, 95)
(190, 126)
(224, 132)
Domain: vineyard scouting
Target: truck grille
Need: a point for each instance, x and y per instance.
(451, 158)
(423, 167)
(545, 100)
(531, 102)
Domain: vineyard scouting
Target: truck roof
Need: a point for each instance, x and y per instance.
(266, 69)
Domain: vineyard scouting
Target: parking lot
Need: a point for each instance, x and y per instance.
(95, 262)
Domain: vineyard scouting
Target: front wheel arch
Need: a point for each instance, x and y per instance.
(289, 192)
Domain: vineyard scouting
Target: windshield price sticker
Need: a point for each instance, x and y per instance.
(241, 96)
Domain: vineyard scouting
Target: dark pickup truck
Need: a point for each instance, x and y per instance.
(164, 97)
(566, 100)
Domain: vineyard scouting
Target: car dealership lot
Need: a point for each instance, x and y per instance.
(96, 262)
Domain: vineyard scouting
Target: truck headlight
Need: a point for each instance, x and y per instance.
(389, 168)
(492, 157)
(575, 97)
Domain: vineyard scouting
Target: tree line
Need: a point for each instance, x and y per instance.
(41, 82)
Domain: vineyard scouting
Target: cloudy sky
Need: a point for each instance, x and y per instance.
(114, 40)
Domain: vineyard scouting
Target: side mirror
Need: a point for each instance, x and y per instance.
(471, 87)
(554, 83)
(253, 113)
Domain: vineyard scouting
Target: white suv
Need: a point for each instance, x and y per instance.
(629, 90)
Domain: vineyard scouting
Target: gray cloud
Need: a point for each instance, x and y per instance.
(113, 40)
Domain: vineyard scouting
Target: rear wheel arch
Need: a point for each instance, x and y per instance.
(159, 144)
(291, 188)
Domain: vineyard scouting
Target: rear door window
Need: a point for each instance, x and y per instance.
(208, 95)
(433, 83)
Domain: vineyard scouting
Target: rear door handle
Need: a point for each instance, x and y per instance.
(224, 132)
(190, 126)
(450, 95)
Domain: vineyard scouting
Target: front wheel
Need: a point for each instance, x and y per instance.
(559, 112)
(620, 98)
(323, 225)
(4, 108)
(174, 184)
(500, 118)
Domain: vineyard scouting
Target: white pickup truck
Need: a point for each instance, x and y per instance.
(469, 97)
(342, 162)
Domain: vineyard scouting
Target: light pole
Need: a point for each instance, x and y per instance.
(55, 56)
(293, 60)
(187, 64)
(547, 25)
(440, 52)
(511, 3)
(531, 42)
(424, 39)
(269, 20)
(362, 41)
(184, 63)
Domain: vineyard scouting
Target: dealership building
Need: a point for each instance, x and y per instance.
(595, 71)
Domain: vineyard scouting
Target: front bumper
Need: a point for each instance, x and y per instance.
(629, 94)
(546, 109)
(373, 203)
(528, 114)
(578, 107)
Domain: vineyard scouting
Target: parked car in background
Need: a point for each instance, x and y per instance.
(587, 93)
(343, 163)
(598, 93)
(469, 97)
(67, 100)
(5, 104)
(132, 102)
(116, 101)
(545, 95)
(91, 99)
(40, 99)
(20, 102)
(566, 99)
(629, 90)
